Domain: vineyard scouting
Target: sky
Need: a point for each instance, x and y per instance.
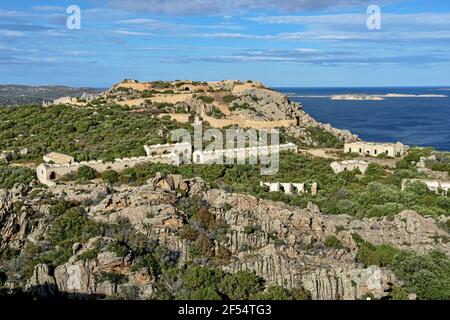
(295, 43)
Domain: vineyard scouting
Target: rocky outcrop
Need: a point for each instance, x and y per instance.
(408, 230)
(285, 245)
(5, 204)
(42, 284)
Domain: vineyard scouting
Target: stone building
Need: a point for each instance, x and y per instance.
(58, 158)
(289, 187)
(375, 149)
(349, 165)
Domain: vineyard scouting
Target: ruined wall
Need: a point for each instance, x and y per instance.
(184, 148)
(205, 157)
(289, 187)
(245, 123)
(349, 165)
(48, 174)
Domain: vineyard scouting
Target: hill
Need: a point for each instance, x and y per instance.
(11, 94)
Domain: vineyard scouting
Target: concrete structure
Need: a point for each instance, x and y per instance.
(349, 165)
(58, 158)
(289, 188)
(209, 157)
(375, 149)
(438, 186)
(57, 165)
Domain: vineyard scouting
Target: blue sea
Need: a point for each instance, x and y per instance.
(422, 121)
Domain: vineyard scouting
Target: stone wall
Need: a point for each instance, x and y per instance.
(246, 123)
(48, 174)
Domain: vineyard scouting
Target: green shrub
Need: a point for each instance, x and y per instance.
(208, 294)
(229, 98)
(206, 99)
(72, 226)
(89, 255)
(9, 176)
(324, 138)
(201, 277)
(428, 275)
(110, 176)
(273, 293)
(241, 285)
(333, 243)
(86, 173)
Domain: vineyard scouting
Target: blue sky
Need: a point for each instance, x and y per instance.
(306, 43)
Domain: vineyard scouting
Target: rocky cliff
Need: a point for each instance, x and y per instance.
(284, 245)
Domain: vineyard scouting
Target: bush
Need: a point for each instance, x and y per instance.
(229, 98)
(241, 285)
(86, 173)
(201, 277)
(428, 275)
(381, 256)
(206, 99)
(208, 294)
(110, 176)
(333, 243)
(417, 187)
(89, 255)
(9, 176)
(402, 164)
(274, 293)
(72, 226)
(374, 169)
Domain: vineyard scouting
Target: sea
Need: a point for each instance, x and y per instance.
(415, 116)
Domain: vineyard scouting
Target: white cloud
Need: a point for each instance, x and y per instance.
(12, 33)
(230, 7)
(132, 33)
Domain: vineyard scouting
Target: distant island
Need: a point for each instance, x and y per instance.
(357, 97)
